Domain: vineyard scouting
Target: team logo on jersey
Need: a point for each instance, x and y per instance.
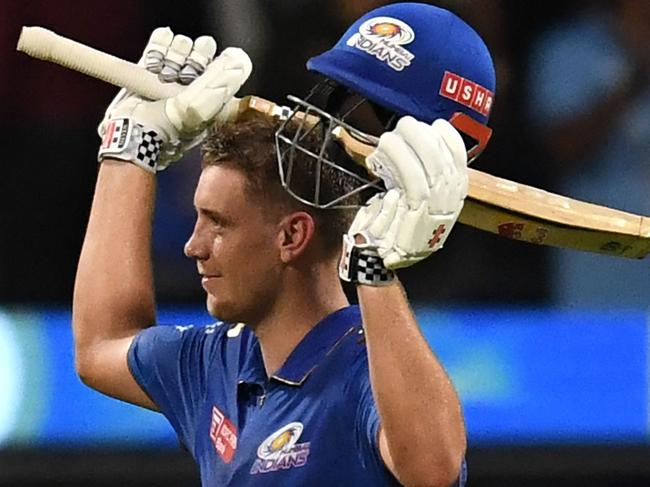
(467, 93)
(223, 434)
(281, 450)
(383, 38)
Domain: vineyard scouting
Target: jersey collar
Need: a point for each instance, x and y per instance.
(317, 344)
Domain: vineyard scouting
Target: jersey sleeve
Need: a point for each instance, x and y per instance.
(169, 363)
(367, 426)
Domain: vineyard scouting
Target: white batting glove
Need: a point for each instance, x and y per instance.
(424, 168)
(153, 134)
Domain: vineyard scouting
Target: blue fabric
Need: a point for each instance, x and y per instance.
(321, 398)
(404, 71)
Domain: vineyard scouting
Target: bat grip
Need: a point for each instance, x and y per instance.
(46, 45)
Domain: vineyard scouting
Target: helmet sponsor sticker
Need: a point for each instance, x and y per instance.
(383, 38)
(467, 93)
(281, 450)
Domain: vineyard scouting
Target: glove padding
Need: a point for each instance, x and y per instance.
(424, 168)
(153, 134)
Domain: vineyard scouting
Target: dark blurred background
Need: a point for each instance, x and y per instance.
(572, 115)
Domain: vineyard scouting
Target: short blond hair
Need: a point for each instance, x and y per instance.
(250, 146)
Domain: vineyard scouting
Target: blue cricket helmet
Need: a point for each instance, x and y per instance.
(414, 59)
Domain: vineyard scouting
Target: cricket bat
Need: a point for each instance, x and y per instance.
(494, 204)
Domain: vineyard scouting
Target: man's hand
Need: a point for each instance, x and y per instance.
(424, 168)
(153, 134)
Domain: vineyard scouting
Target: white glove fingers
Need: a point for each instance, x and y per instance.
(231, 68)
(154, 54)
(399, 159)
(175, 58)
(378, 167)
(151, 59)
(236, 58)
(205, 47)
(457, 176)
(453, 141)
(203, 105)
(423, 140)
(202, 100)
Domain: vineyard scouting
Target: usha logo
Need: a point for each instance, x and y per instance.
(466, 92)
(383, 38)
(281, 450)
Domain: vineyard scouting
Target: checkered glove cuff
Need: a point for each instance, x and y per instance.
(127, 140)
(363, 265)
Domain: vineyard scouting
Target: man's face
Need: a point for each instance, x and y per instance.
(235, 247)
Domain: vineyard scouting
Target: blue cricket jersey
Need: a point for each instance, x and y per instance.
(314, 422)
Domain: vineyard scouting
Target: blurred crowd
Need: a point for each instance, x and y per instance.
(572, 115)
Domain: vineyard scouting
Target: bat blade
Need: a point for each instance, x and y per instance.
(520, 212)
(496, 205)
(529, 214)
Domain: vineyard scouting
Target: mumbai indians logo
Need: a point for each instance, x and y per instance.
(383, 38)
(281, 450)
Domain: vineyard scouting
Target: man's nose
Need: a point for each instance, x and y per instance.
(195, 247)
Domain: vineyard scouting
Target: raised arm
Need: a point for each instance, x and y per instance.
(422, 435)
(114, 297)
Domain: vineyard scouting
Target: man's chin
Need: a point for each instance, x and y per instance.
(212, 306)
(220, 310)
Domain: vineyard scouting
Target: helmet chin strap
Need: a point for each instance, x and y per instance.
(478, 133)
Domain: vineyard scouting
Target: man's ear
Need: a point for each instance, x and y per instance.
(296, 231)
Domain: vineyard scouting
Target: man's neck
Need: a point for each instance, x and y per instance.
(295, 314)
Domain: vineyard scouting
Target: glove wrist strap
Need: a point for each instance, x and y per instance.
(127, 140)
(363, 265)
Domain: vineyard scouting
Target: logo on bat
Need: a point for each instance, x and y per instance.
(281, 450)
(520, 231)
(383, 38)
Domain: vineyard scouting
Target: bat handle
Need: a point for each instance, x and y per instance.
(44, 44)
